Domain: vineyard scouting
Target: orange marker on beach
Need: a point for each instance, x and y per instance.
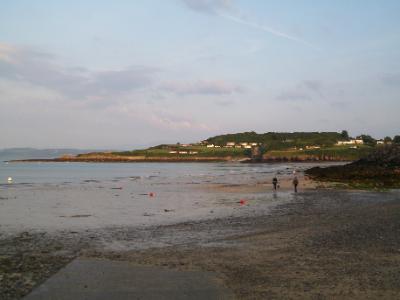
(151, 194)
(242, 202)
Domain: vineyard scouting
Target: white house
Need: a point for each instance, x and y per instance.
(380, 142)
(350, 142)
(248, 146)
(173, 152)
(341, 143)
(230, 144)
(210, 146)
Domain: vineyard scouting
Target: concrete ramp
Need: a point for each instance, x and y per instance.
(92, 279)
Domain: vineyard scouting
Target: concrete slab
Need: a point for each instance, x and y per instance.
(104, 279)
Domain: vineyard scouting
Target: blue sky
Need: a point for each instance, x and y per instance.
(125, 74)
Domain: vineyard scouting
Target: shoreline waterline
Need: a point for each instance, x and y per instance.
(82, 196)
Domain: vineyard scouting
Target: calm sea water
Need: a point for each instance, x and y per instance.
(78, 172)
(64, 196)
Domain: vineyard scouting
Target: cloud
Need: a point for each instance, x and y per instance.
(208, 6)
(391, 79)
(305, 91)
(166, 120)
(202, 87)
(340, 105)
(313, 85)
(225, 102)
(226, 9)
(40, 69)
(275, 32)
(97, 88)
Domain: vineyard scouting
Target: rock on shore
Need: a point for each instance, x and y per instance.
(380, 168)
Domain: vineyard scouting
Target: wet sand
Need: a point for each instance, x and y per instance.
(284, 186)
(321, 244)
(156, 199)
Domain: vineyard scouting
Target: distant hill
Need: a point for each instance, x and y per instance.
(29, 153)
(279, 140)
(270, 146)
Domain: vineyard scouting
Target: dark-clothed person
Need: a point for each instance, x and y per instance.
(275, 182)
(295, 183)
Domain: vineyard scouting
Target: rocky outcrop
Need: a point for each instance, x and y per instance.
(302, 158)
(381, 167)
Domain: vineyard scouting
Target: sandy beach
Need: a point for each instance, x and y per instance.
(319, 243)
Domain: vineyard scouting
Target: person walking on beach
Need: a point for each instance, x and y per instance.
(275, 182)
(295, 183)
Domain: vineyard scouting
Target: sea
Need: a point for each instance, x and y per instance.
(76, 196)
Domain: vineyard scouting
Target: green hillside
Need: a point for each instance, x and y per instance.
(280, 140)
(270, 146)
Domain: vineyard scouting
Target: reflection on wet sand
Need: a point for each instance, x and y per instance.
(169, 195)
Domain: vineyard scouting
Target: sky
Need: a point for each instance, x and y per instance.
(129, 74)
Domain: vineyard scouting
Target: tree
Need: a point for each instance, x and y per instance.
(396, 140)
(368, 140)
(247, 152)
(387, 140)
(344, 134)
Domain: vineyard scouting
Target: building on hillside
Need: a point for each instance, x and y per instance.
(230, 144)
(238, 146)
(350, 142)
(247, 147)
(313, 147)
(380, 142)
(210, 146)
(193, 152)
(216, 146)
(183, 152)
(254, 144)
(173, 152)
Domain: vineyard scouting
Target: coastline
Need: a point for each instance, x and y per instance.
(136, 159)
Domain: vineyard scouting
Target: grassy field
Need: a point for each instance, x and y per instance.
(202, 152)
(336, 152)
(327, 153)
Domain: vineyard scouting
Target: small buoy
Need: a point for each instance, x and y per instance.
(151, 194)
(9, 179)
(242, 202)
